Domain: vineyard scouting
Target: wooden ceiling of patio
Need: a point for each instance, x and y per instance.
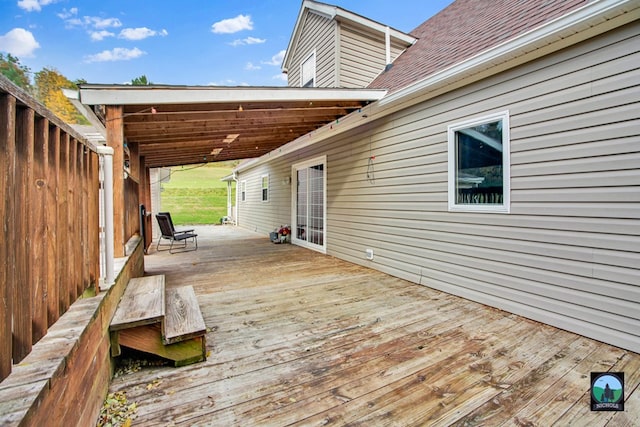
(181, 134)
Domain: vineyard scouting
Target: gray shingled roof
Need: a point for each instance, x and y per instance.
(464, 29)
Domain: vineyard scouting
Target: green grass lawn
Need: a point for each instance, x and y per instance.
(196, 195)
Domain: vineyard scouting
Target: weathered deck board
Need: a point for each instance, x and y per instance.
(141, 304)
(300, 338)
(183, 319)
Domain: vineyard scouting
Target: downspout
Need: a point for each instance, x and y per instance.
(235, 217)
(387, 44)
(107, 156)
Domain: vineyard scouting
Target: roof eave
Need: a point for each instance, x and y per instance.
(158, 95)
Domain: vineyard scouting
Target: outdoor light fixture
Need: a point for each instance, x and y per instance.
(231, 137)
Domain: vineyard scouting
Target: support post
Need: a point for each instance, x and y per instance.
(115, 140)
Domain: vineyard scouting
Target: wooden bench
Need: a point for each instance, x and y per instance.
(164, 322)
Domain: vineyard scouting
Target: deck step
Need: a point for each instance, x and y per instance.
(164, 322)
(148, 339)
(183, 319)
(143, 303)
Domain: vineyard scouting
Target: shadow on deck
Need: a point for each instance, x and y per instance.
(297, 337)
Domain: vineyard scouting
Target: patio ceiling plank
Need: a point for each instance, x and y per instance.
(303, 338)
(264, 118)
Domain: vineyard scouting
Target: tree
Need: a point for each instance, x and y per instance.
(141, 81)
(48, 89)
(11, 68)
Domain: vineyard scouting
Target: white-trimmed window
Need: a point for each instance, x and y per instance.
(243, 191)
(308, 71)
(479, 172)
(265, 187)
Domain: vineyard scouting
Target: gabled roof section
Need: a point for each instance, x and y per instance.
(341, 15)
(464, 29)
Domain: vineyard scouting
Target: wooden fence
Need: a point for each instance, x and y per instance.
(49, 246)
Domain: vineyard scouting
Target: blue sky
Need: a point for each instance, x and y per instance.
(187, 42)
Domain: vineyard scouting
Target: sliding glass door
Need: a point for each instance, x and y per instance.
(309, 211)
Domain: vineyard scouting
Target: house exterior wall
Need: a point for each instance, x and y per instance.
(257, 215)
(362, 56)
(567, 254)
(319, 35)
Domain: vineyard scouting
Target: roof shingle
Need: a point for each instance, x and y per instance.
(464, 29)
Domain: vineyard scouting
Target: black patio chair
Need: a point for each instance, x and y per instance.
(168, 214)
(167, 232)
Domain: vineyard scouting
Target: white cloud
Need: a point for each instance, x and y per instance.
(276, 60)
(19, 42)
(233, 25)
(94, 22)
(228, 82)
(281, 76)
(33, 5)
(140, 33)
(66, 14)
(246, 41)
(115, 54)
(100, 35)
(252, 67)
(98, 22)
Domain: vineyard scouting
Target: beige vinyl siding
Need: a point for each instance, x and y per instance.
(568, 254)
(362, 56)
(264, 217)
(319, 35)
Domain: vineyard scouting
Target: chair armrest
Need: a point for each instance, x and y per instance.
(183, 231)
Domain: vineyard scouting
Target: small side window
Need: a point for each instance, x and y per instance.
(479, 174)
(308, 71)
(265, 188)
(243, 191)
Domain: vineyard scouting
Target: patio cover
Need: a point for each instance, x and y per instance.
(181, 125)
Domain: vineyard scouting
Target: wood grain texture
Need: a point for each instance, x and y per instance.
(147, 338)
(300, 338)
(183, 318)
(7, 153)
(142, 303)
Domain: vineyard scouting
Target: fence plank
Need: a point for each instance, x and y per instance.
(75, 220)
(63, 225)
(84, 203)
(7, 145)
(23, 220)
(53, 274)
(39, 240)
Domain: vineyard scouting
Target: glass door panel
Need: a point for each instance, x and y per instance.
(309, 220)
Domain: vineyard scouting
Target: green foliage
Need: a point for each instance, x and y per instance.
(11, 68)
(196, 195)
(141, 81)
(48, 89)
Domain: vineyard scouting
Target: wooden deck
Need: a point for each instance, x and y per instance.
(299, 338)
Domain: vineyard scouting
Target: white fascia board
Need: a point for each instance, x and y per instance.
(144, 95)
(557, 31)
(74, 97)
(345, 15)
